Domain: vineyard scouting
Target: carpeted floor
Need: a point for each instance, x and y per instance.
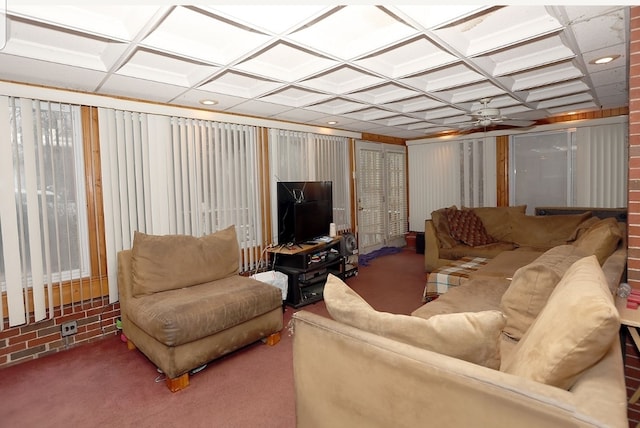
(105, 385)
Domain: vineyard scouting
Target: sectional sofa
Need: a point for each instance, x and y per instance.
(453, 233)
(530, 340)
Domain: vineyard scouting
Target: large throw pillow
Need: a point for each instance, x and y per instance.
(168, 262)
(601, 239)
(467, 227)
(573, 332)
(532, 285)
(441, 225)
(472, 336)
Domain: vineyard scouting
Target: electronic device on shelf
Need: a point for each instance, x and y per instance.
(305, 211)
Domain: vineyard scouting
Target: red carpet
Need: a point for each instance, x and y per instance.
(103, 384)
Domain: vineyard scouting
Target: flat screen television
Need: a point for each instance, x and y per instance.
(305, 210)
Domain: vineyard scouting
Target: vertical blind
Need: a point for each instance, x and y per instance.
(171, 175)
(601, 166)
(457, 172)
(586, 167)
(302, 156)
(44, 228)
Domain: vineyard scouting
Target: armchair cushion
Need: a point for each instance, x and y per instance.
(169, 262)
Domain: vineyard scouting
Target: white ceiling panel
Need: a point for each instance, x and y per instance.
(353, 31)
(399, 70)
(108, 20)
(195, 34)
(410, 57)
(342, 80)
(131, 87)
(285, 62)
(150, 65)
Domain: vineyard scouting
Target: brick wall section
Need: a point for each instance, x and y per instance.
(95, 321)
(632, 364)
(634, 149)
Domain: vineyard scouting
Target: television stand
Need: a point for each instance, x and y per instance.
(307, 269)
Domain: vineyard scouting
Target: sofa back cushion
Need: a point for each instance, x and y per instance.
(168, 262)
(545, 231)
(532, 285)
(574, 330)
(470, 336)
(497, 220)
(601, 239)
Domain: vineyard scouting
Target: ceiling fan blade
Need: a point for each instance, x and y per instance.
(517, 122)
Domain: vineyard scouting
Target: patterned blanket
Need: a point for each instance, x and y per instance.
(455, 273)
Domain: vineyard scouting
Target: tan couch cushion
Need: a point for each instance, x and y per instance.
(176, 317)
(532, 285)
(545, 231)
(466, 226)
(601, 239)
(574, 330)
(473, 337)
(440, 223)
(168, 262)
(496, 220)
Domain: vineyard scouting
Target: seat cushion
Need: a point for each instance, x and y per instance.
(181, 316)
(574, 330)
(473, 337)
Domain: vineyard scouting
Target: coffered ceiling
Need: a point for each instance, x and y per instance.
(401, 71)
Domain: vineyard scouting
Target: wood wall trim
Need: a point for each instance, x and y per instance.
(502, 170)
(374, 138)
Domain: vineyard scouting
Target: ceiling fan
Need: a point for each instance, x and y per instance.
(487, 116)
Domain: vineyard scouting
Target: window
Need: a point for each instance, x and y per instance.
(585, 167)
(44, 228)
(302, 156)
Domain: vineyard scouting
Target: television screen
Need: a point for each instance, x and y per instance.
(305, 210)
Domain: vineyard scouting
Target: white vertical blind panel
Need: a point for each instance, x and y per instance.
(31, 186)
(124, 153)
(489, 173)
(434, 180)
(160, 172)
(8, 216)
(600, 171)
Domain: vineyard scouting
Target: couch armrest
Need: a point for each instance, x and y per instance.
(431, 247)
(347, 377)
(125, 282)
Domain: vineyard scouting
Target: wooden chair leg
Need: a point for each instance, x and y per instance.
(178, 383)
(273, 339)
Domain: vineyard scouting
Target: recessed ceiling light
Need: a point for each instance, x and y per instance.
(605, 59)
(208, 102)
(332, 122)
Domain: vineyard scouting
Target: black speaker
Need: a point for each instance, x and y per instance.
(348, 244)
(349, 250)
